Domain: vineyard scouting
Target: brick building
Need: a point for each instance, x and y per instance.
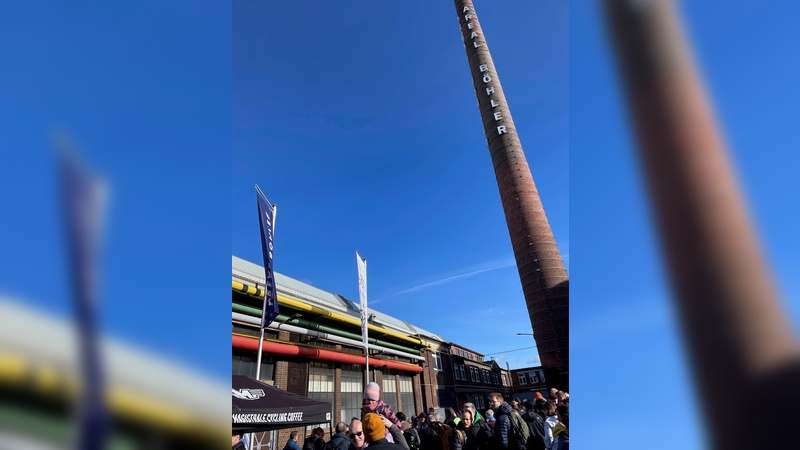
(314, 348)
(529, 380)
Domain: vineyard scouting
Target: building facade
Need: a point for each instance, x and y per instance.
(314, 348)
(529, 380)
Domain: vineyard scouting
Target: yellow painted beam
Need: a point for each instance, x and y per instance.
(241, 287)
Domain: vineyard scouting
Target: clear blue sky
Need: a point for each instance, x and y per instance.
(144, 90)
(380, 149)
(359, 120)
(628, 367)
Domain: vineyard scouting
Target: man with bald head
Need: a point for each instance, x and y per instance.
(356, 435)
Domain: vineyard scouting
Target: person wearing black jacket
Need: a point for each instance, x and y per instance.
(237, 443)
(339, 439)
(466, 434)
(535, 423)
(503, 438)
(485, 435)
(315, 440)
(451, 418)
(429, 435)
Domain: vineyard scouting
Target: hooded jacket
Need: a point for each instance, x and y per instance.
(549, 426)
(383, 409)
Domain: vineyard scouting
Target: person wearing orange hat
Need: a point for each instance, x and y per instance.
(375, 433)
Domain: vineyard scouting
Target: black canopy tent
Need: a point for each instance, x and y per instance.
(261, 407)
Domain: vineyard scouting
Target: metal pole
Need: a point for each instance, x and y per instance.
(366, 371)
(510, 379)
(261, 337)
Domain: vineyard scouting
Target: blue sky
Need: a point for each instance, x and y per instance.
(144, 92)
(359, 121)
(361, 124)
(626, 353)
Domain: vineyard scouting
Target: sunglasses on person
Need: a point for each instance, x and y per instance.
(354, 435)
(368, 401)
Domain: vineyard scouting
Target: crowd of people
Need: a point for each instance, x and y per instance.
(541, 424)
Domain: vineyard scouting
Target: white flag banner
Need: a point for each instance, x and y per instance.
(362, 296)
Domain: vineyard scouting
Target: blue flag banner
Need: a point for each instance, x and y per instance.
(83, 200)
(266, 221)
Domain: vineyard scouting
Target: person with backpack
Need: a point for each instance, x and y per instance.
(339, 440)
(451, 418)
(535, 423)
(410, 433)
(436, 436)
(315, 441)
(510, 430)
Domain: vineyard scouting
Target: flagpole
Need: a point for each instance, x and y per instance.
(264, 306)
(83, 210)
(366, 327)
(362, 295)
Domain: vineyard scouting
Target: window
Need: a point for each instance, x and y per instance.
(406, 396)
(320, 386)
(495, 378)
(244, 363)
(473, 373)
(534, 377)
(479, 403)
(352, 391)
(442, 396)
(505, 380)
(461, 369)
(485, 376)
(455, 372)
(522, 378)
(437, 361)
(389, 391)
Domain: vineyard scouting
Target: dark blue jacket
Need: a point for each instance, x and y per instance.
(502, 425)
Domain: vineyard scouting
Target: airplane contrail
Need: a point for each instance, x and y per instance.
(444, 280)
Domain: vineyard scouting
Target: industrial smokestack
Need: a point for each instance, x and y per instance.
(545, 283)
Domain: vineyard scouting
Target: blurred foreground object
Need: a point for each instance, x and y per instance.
(152, 403)
(84, 199)
(739, 343)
